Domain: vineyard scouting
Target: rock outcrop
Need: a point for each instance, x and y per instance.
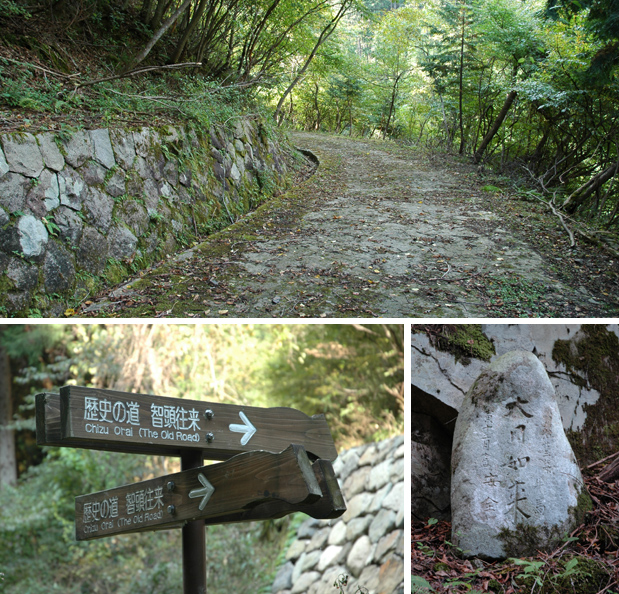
(366, 544)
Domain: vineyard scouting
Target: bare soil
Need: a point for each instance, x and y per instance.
(380, 230)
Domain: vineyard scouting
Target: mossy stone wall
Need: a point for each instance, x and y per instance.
(82, 210)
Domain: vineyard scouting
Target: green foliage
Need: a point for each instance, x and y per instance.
(352, 374)
(10, 8)
(420, 585)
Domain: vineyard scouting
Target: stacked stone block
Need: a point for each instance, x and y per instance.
(72, 203)
(367, 542)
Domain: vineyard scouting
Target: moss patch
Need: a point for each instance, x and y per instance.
(592, 359)
(464, 341)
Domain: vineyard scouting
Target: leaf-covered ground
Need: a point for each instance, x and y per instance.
(586, 563)
(381, 230)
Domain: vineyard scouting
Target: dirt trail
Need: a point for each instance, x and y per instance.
(379, 231)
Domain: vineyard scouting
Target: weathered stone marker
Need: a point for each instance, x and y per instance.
(516, 486)
(267, 472)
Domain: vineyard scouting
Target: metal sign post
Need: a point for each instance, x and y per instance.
(263, 474)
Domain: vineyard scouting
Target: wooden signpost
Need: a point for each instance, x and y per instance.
(159, 425)
(204, 493)
(277, 461)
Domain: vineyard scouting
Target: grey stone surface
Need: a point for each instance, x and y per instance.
(357, 481)
(33, 236)
(24, 275)
(381, 524)
(235, 174)
(4, 262)
(14, 188)
(357, 527)
(170, 173)
(134, 215)
(78, 148)
(9, 240)
(93, 250)
(150, 195)
(4, 217)
(318, 540)
(395, 496)
(22, 154)
(72, 188)
(367, 545)
(143, 141)
(124, 148)
(116, 185)
(51, 153)
(358, 556)
(122, 243)
(4, 166)
(330, 556)
(304, 582)
(99, 207)
(103, 151)
(93, 173)
(380, 475)
(358, 505)
(379, 497)
(69, 223)
(370, 578)
(393, 541)
(44, 196)
(513, 470)
(58, 269)
(283, 579)
(296, 549)
(337, 534)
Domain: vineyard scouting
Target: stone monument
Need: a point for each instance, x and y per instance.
(516, 487)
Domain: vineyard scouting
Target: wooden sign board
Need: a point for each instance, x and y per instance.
(330, 506)
(204, 493)
(159, 425)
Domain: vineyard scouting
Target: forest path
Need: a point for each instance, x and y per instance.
(379, 231)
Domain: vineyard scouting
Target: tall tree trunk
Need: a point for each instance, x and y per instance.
(495, 126)
(158, 35)
(191, 27)
(461, 83)
(394, 94)
(317, 106)
(8, 464)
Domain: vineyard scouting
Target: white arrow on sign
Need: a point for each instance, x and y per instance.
(205, 493)
(247, 428)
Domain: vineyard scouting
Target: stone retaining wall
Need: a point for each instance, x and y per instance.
(97, 204)
(367, 542)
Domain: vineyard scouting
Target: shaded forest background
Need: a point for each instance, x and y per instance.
(527, 89)
(352, 373)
